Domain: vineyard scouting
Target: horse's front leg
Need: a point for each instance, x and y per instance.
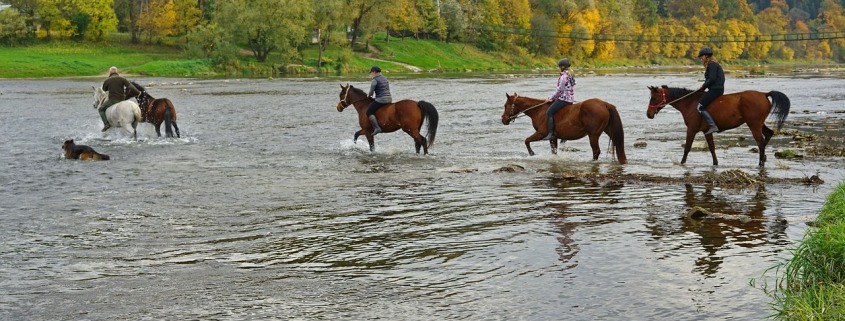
(712, 147)
(553, 144)
(688, 145)
(533, 138)
(355, 138)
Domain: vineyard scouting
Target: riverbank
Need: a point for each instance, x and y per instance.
(811, 285)
(396, 56)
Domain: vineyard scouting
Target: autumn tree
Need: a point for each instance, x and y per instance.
(157, 18)
(327, 13)
(266, 25)
(188, 16)
(832, 19)
(12, 27)
(454, 17)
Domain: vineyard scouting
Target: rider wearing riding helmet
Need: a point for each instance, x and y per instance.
(714, 83)
(564, 95)
(115, 85)
(381, 88)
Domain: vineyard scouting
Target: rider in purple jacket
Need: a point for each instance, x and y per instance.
(564, 95)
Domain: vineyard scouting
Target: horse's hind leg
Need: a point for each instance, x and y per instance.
(594, 144)
(761, 144)
(372, 143)
(158, 129)
(767, 134)
(176, 128)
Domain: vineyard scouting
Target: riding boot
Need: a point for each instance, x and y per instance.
(710, 122)
(374, 122)
(106, 124)
(551, 126)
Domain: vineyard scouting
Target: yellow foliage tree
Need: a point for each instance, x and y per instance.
(189, 16)
(157, 19)
(672, 28)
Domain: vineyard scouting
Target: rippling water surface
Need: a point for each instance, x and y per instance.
(266, 209)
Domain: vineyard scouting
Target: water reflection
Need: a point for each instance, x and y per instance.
(579, 203)
(737, 220)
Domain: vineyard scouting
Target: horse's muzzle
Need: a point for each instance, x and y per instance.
(340, 107)
(506, 120)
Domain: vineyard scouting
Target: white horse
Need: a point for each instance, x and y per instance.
(125, 114)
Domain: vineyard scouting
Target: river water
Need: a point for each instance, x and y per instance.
(266, 209)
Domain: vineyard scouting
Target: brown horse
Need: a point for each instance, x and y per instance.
(587, 118)
(407, 115)
(156, 111)
(729, 111)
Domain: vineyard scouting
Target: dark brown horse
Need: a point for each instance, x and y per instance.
(156, 111)
(587, 118)
(729, 111)
(407, 115)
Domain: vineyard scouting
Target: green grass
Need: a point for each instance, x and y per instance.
(811, 285)
(65, 58)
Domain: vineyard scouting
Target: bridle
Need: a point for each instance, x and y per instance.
(663, 103)
(512, 107)
(346, 95)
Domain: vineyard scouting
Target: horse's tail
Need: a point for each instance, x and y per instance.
(137, 111)
(430, 114)
(617, 135)
(780, 107)
(169, 117)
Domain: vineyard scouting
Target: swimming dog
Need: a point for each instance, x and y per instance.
(74, 151)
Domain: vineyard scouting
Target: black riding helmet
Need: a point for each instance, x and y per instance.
(706, 51)
(563, 62)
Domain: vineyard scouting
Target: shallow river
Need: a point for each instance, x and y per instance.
(266, 209)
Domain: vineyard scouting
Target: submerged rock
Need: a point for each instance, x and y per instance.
(510, 168)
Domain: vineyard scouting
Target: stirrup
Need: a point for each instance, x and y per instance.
(711, 129)
(105, 128)
(549, 136)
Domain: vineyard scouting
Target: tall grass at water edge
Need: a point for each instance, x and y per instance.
(811, 285)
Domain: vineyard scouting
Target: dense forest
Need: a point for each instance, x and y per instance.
(592, 29)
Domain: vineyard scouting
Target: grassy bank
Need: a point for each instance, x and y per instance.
(394, 55)
(811, 285)
(68, 59)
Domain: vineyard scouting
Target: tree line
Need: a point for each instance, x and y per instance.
(581, 29)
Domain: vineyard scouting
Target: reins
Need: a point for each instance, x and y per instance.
(521, 113)
(674, 101)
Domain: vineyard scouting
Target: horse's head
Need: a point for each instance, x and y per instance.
(349, 96)
(659, 99)
(510, 109)
(100, 96)
(344, 93)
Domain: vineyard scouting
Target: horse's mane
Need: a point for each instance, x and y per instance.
(677, 92)
(142, 90)
(138, 86)
(358, 90)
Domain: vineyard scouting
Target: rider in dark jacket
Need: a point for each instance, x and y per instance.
(115, 86)
(714, 83)
(381, 88)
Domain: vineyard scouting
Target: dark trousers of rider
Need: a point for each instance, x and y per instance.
(373, 107)
(550, 113)
(709, 96)
(102, 110)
